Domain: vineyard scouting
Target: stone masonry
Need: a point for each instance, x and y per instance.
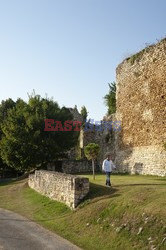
(141, 107)
(76, 166)
(69, 189)
(72, 166)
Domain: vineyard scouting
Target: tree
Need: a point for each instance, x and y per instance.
(5, 106)
(91, 152)
(110, 98)
(84, 113)
(24, 144)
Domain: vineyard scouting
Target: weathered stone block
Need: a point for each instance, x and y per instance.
(66, 188)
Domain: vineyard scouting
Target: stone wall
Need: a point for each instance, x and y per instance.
(76, 115)
(141, 107)
(72, 166)
(77, 166)
(69, 189)
(104, 137)
(142, 160)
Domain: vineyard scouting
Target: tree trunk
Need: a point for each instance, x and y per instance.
(93, 168)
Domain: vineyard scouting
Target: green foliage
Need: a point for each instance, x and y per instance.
(137, 57)
(84, 112)
(24, 144)
(110, 98)
(163, 40)
(5, 106)
(92, 151)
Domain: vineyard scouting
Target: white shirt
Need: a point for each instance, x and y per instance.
(108, 166)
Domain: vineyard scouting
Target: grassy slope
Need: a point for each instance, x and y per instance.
(107, 219)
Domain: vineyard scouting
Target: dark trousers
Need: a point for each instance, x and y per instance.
(108, 178)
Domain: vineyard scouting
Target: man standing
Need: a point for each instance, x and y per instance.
(108, 167)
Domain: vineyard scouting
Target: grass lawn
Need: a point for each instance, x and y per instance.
(131, 215)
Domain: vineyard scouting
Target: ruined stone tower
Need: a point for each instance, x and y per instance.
(141, 107)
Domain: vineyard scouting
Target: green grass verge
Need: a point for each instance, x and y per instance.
(131, 215)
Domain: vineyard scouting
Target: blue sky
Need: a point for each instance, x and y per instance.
(69, 49)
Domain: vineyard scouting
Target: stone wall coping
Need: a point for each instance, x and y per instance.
(62, 175)
(73, 160)
(148, 48)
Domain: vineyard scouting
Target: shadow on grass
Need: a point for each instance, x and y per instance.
(97, 193)
(97, 190)
(164, 179)
(25, 220)
(140, 184)
(6, 182)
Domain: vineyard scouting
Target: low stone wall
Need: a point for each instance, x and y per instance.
(76, 166)
(72, 166)
(65, 188)
(142, 160)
